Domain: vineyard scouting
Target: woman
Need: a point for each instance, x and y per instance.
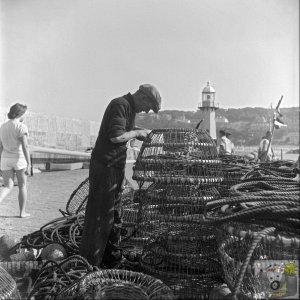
(15, 158)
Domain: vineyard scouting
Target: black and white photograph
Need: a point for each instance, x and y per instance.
(149, 149)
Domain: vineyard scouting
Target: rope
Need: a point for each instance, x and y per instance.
(54, 276)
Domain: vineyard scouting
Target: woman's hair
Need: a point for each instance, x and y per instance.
(16, 111)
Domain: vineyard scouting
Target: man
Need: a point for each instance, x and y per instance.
(228, 135)
(225, 144)
(264, 154)
(101, 233)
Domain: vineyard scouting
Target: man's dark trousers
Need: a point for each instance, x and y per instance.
(102, 225)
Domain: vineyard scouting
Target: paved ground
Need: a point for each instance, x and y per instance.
(47, 193)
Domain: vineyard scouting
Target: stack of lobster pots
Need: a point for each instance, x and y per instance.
(181, 172)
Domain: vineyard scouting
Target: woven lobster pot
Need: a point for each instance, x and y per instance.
(78, 199)
(185, 194)
(163, 225)
(130, 213)
(235, 241)
(178, 156)
(21, 268)
(184, 169)
(178, 235)
(184, 247)
(143, 233)
(130, 218)
(180, 238)
(190, 284)
(8, 287)
(181, 202)
(117, 284)
(230, 178)
(195, 254)
(152, 229)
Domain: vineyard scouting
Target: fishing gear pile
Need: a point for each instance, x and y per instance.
(257, 225)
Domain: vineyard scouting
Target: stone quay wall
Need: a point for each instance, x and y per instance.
(58, 132)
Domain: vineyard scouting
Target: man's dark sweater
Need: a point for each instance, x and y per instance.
(118, 118)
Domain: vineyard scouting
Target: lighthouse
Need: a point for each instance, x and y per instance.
(208, 109)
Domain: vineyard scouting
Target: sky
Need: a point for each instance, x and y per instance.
(71, 57)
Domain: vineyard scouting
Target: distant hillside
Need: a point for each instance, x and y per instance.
(247, 125)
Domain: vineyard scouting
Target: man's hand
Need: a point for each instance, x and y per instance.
(141, 134)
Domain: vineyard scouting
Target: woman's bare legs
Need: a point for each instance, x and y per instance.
(8, 183)
(22, 180)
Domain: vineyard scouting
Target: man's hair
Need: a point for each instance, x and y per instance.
(222, 132)
(16, 111)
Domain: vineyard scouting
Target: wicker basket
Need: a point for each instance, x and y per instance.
(117, 284)
(241, 246)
